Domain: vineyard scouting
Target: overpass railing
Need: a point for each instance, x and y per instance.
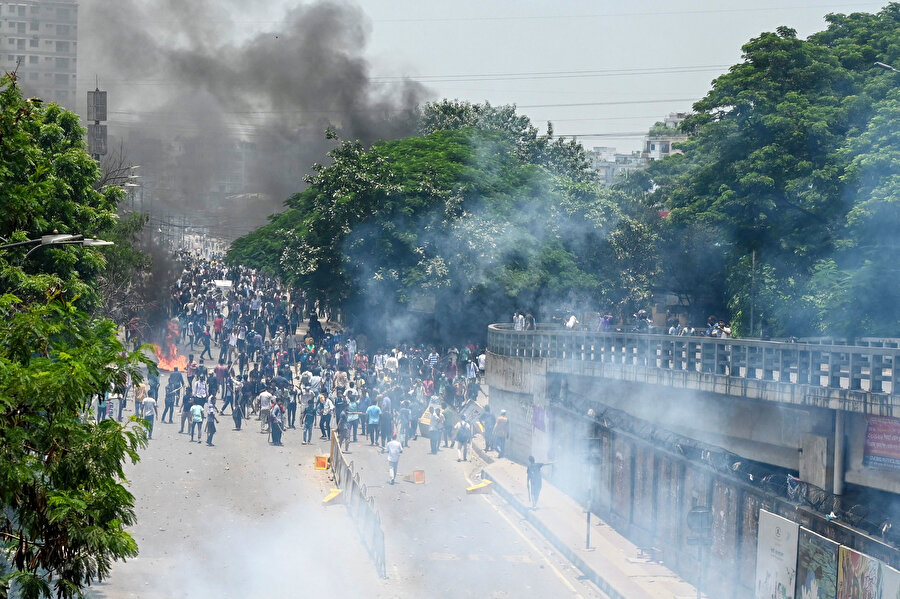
(871, 368)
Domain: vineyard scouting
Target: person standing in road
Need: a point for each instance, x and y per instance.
(277, 425)
(185, 414)
(196, 421)
(463, 432)
(170, 403)
(435, 428)
(309, 421)
(176, 381)
(501, 433)
(534, 479)
(373, 415)
(394, 448)
(211, 420)
(324, 410)
(237, 414)
(150, 411)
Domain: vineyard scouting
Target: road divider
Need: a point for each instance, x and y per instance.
(359, 504)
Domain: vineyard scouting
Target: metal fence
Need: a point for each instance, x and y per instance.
(874, 368)
(360, 506)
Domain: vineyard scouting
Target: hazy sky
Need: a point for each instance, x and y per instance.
(604, 71)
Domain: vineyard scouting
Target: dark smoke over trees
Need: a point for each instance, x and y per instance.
(789, 182)
(437, 236)
(226, 116)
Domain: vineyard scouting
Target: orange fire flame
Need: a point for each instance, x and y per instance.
(168, 359)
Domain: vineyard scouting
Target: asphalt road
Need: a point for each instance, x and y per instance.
(245, 519)
(240, 519)
(441, 542)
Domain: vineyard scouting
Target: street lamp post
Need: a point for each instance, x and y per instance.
(56, 239)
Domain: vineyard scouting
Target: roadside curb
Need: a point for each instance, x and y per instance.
(560, 545)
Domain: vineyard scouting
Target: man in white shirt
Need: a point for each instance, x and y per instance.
(150, 412)
(265, 399)
(393, 449)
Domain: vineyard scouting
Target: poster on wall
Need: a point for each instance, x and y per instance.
(776, 557)
(859, 576)
(817, 566)
(882, 447)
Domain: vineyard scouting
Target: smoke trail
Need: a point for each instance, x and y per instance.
(215, 103)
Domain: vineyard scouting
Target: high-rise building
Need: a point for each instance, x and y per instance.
(39, 40)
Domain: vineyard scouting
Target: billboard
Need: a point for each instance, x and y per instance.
(882, 448)
(776, 557)
(817, 566)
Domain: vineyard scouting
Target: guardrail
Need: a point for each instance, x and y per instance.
(360, 506)
(870, 368)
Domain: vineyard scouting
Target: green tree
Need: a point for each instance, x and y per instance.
(65, 507)
(775, 174)
(46, 185)
(64, 504)
(457, 220)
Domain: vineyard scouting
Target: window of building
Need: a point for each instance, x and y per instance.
(21, 10)
(62, 30)
(63, 14)
(34, 43)
(20, 28)
(62, 63)
(664, 148)
(32, 59)
(61, 79)
(652, 147)
(20, 44)
(34, 26)
(62, 47)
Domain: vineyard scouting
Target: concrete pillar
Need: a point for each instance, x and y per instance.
(814, 461)
(838, 452)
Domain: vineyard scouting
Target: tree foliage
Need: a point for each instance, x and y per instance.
(64, 504)
(785, 156)
(433, 230)
(46, 186)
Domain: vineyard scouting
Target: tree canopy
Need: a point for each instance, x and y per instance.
(64, 503)
(787, 158)
(449, 231)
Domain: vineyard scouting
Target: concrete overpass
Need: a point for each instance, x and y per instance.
(803, 408)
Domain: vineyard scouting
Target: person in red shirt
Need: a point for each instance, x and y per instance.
(218, 323)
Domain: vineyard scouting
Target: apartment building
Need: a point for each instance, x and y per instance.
(39, 40)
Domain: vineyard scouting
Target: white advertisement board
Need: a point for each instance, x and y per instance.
(776, 557)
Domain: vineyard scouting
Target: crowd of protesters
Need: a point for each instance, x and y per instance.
(257, 351)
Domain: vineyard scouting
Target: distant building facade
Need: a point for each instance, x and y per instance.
(39, 40)
(659, 143)
(611, 165)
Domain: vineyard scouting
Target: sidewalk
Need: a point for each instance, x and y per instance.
(613, 563)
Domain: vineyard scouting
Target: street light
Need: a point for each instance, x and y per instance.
(57, 239)
(886, 66)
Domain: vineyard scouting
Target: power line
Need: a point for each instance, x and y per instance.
(304, 111)
(625, 15)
